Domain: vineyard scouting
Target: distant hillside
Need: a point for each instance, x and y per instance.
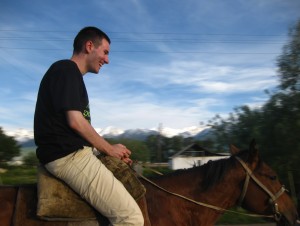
(204, 135)
(25, 151)
(137, 134)
(27, 144)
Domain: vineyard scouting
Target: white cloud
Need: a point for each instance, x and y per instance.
(130, 114)
(211, 78)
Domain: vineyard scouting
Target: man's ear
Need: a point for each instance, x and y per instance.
(88, 46)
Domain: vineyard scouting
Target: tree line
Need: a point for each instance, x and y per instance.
(275, 125)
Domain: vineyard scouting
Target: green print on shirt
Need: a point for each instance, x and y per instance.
(86, 113)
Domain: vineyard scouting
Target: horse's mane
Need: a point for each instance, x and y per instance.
(214, 172)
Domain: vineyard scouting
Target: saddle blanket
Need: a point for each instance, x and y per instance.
(57, 201)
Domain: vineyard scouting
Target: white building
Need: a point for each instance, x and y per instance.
(193, 155)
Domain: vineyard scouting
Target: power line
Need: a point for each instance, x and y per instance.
(151, 51)
(153, 40)
(189, 52)
(187, 39)
(146, 33)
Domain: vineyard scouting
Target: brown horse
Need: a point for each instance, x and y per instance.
(196, 196)
(220, 184)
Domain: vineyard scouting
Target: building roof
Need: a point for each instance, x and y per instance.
(195, 150)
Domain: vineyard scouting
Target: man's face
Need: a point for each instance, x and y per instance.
(98, 56)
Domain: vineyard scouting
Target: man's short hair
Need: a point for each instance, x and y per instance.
(93, 34)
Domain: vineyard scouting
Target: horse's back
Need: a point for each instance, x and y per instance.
(8, 195)
(18, 208)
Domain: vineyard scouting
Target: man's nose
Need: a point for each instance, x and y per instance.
(106, 60)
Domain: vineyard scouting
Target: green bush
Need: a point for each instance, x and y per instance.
(235, 218)
(19, 175)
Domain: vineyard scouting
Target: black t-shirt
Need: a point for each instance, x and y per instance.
(62, 88)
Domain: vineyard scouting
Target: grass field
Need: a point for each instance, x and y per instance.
(25, 151)
(18, 175)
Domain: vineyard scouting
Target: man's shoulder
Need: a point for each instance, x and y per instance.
(64, 67)
(63, 63)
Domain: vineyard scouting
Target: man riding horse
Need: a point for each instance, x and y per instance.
(65, 138)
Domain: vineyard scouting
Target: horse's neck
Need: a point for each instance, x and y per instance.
(224, 194)
(178, 183)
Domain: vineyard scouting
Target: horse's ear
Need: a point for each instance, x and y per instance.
(253, 152)
(233, 149)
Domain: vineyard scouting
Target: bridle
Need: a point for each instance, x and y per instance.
(272, 199)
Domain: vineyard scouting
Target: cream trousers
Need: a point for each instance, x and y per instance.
(90, 178)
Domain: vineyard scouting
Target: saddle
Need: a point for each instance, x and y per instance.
(57, 201)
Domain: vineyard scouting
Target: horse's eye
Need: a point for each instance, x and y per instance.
(271, 177)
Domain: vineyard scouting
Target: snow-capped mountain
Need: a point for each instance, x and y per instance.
(185, 132)
(110, 130)
(137, 134)
(141, 134)
(23, 135)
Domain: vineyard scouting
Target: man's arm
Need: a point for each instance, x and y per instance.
(79, 124)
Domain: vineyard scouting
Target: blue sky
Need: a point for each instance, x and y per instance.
(173, 62)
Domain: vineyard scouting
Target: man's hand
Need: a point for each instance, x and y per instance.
(121, 152)
(127, 161)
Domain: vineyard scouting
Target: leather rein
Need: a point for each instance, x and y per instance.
(277, 215)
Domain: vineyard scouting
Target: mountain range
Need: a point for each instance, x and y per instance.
(25, 137)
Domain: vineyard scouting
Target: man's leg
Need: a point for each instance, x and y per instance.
(87, 176)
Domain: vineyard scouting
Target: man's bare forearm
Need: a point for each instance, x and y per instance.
(79, 124)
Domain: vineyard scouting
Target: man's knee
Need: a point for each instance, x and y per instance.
(136, 218)
(133, 218)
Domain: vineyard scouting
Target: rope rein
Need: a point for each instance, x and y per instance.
(222, 210)
(204, 204)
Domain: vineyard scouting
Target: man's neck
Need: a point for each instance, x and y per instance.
(79, 60)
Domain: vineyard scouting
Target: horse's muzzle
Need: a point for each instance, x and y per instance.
(297, 222)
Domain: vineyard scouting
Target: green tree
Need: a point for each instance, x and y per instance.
(168, 146)
(176, 143)
(30, 159)
(282, 111)
(140, 151)
(153, 142)
(275, 126)
(9, 147)
(239, 128)
(289, 62)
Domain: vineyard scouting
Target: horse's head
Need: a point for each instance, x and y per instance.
(262, 192)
